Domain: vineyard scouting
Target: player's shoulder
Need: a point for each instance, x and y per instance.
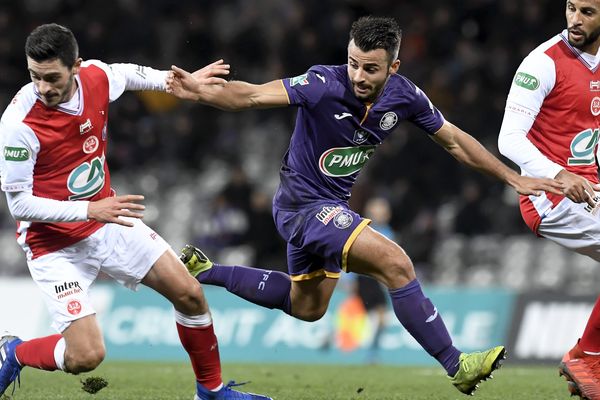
(330, 73)
(20, 105)
(546, 53)
(93, 65)
(401, 88)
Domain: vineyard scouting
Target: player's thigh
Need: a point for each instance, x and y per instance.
(572, 226)
(374, 255)
(169, 277)
(130, 252)
(64, 277)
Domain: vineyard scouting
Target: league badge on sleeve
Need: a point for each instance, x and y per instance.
(301, 80)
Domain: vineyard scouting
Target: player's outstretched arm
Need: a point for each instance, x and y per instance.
(109, 209)
(470, 152)
(228, 96)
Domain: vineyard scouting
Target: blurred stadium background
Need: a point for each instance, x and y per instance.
(208, 176)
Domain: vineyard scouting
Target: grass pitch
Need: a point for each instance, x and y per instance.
(174, 381)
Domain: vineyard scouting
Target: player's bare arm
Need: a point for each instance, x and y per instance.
(109, 209)
(470, 152)
(228, 96)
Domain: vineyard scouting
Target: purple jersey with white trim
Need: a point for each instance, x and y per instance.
(336, 133)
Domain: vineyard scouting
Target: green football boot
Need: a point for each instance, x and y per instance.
(477, 367)
(194, 260)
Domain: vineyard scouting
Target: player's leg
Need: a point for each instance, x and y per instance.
(571, 225)
(64, 277)
(375, 255)
(266, 288)
(138, 255)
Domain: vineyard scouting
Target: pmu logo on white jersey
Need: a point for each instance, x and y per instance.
(87, 179)
(583, 147)
(594, 86)
(85, 127)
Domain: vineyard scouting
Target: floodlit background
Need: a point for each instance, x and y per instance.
(208, 176)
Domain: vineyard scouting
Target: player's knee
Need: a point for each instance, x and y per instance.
(84, 361)
(190, 301)
(397, 268)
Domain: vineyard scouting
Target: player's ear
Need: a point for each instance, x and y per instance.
(76, 66)
(394, 67)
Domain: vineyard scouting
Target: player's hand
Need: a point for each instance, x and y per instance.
(526, 185)
(577, 188)
(109, 209)
(189, 86)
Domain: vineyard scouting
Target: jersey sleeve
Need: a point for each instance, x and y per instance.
(533, 81)
(306, 89)
(424, 114)
(122, 77)
(19, 147)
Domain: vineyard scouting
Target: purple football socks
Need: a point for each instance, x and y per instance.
(421, 319)
(266, 288)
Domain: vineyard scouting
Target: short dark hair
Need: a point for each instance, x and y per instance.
(51, 41)
(372, 33)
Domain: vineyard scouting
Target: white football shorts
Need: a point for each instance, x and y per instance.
(125, 254)
(575, 226)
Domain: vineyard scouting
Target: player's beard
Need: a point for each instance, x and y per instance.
(587, 40)
(63, 96)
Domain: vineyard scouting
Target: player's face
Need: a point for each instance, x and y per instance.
(54, 81)
(369, 71)
(583, 24)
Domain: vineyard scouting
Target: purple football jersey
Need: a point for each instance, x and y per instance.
(336, 133)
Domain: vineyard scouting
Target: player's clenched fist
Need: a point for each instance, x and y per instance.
(111, 208)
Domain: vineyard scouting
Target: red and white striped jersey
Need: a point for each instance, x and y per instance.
(551, 120)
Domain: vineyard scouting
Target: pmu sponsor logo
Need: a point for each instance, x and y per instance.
(345, 161)
(582, 147)
(526, 81)
(67, 289)
(328, 213)
(16, 153)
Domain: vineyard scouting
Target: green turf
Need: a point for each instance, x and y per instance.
(174, 381)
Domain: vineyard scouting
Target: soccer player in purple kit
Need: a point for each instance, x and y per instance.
(344, 113)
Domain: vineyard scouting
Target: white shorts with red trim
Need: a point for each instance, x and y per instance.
(574, 226)
(125, 254)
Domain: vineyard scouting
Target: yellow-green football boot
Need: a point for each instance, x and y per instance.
(194, 260)
(477, 367)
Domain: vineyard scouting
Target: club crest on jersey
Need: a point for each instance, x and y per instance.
(595, 106)
(360, 136)
(388, 121)
(301, 80)
(594, 86)
(90, 145)
(85, 127)
(343, 220)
